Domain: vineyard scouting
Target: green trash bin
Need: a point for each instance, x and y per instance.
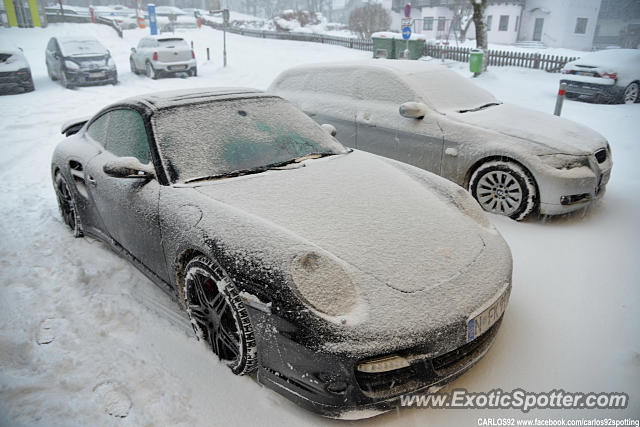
(384, 47)
(416, 48)
(475, 60)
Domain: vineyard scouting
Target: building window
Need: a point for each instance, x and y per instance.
(489, 21)
(504, 23)
(517, 23)
(581, 26)
(441, 23)
(428, 24)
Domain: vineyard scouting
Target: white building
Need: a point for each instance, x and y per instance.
(554, 23)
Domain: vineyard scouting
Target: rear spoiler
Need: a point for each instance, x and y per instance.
(73, 126)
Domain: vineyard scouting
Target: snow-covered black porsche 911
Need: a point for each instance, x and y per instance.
(346, 279)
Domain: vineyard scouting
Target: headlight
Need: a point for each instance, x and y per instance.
(111, 63)
(323, 284)
(564, 161)
(71, 65)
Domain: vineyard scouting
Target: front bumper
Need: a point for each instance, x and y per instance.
(91, 77)
(331, 385)
(15, 81)
(591, 90)
(564, 191)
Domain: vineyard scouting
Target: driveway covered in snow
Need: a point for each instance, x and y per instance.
(85, 337)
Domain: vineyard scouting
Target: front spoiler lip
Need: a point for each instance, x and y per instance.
(354, 400)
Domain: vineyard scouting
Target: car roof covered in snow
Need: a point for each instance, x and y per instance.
(167, 99)
(399, 67)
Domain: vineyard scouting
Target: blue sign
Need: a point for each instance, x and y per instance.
(406, 33)
(153, 21)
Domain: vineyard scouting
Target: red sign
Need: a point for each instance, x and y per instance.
(407, 10)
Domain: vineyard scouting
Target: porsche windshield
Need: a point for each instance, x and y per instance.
(226, 137)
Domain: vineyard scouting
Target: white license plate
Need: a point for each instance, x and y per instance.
(477, 325)
(98, 74)
(584, 73)
(178, 67)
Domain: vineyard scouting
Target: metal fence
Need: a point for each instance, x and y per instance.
(361, 44)
(499, 58)
(56, 17)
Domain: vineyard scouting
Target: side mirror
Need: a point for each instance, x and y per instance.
(133, 49)
(128, 167)
(413, 110)
(330, 129)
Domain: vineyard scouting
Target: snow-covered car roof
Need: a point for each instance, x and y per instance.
(609, 57)
(78, 46)
(437, 86)
(12, 59)
(165, 99)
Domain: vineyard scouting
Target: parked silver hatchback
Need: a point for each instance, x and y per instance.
(158, 56)
(513, 160)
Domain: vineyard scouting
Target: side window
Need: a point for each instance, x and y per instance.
(126, 135)
(337, 82)
(385, 87)
(98, 129)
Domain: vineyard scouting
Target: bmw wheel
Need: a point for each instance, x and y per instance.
(504, 188)
(631, 93)
(67, 205)
(151, 73)
(218, 315)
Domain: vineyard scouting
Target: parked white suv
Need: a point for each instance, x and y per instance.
(163, 55)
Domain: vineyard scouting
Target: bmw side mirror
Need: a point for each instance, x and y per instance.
(413, 110)
(330, 129)
(128, 167)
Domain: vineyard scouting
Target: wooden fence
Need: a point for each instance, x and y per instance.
(500, 58)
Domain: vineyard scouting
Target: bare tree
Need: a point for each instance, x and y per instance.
(368, 19)
(482, 41)
(462, 18)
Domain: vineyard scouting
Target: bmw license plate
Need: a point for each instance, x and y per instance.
(96, 75)
(479, 324)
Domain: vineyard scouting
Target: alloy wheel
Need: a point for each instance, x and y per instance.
(499, 192)
(631, 93)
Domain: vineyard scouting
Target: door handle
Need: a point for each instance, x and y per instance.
(91, 180)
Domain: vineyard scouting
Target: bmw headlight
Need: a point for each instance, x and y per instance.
(323, 284)
(564, 161)
(71, 65)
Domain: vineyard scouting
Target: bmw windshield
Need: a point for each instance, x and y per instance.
(232, 137)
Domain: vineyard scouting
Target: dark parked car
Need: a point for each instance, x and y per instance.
(344, 278)
(15, 73)
(79, 62)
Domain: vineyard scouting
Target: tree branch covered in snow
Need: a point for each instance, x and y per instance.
(368, 19)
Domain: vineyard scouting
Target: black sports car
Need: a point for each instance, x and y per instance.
(344, 278)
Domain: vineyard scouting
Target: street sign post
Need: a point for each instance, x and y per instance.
(153, 21)
(406, 26)
(406, 33)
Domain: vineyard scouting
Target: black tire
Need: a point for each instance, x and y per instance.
(193, 72)
(218, 315)
(67, 205)
(631, 94)
(132, 64)
(504, 188)
(150, 72)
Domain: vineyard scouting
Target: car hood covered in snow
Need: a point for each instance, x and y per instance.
(552, 134)
(415, 257)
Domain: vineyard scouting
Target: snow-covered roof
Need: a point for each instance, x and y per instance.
(159, 100)
(70, 46)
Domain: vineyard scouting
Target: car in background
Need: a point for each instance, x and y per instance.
(256, 220)
(15, 72)
(513, 160)
(159, 56)
(611, 75)
(79, 61)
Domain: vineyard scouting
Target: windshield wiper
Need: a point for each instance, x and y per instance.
(259, 169)
(482, 107)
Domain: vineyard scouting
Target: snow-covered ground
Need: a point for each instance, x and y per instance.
(84, 334)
